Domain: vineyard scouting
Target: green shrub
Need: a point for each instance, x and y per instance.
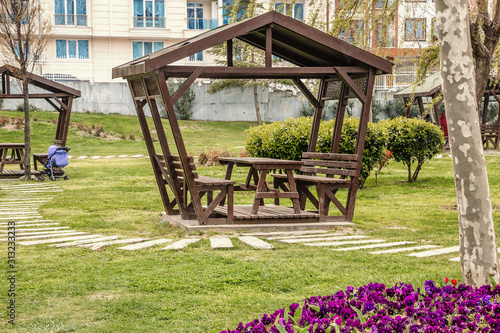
(184, 105)
(290, 138)
(33, 108)
(413, 142)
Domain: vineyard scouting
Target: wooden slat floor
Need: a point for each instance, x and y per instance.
(265, 212)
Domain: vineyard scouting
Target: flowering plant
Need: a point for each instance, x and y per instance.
(377, 309)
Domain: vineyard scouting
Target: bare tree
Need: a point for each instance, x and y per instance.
(478, 248)
(24, 34)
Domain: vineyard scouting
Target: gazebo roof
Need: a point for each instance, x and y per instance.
(291, 40)
(41, 82)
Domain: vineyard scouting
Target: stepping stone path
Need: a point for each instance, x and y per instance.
(31, 229)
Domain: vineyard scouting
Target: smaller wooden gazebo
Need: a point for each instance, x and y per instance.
(430, 90)
(57, 95)
(343, 71)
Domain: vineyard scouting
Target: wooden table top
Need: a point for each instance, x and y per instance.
(261, 162)
(12, 145)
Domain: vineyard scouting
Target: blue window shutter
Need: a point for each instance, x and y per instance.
(61, 48)
(137, 49)
(83, 49)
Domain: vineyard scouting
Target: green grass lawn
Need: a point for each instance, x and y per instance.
(198, 289)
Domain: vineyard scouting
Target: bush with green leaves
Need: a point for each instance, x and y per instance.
(184, 105)
(413, 142)
(290, 138)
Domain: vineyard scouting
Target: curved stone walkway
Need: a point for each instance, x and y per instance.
(23, 201)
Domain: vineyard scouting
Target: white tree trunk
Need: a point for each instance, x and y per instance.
(478, 249)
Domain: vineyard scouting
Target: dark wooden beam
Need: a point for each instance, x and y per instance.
(269, 46)
(317, 117)
(41, 96)
(352, 85)
(185, 86)
(229, 52)
(306, 92)
(339, 119)
(66, 120)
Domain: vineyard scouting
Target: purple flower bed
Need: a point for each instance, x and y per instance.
(377, 309)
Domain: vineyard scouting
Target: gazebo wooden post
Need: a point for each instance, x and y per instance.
(485, 107)
(360, 142)
(179, 142)
(339, 119)
(162, 138)
(317, 116)
(436, 108)
(161, 182)
(420, 106)
(408, 105)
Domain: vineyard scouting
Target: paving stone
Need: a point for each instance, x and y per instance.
(19, 213)
(21, 226)
(85, 241)
(144, 245)
(21, 223)
(340, 243)
(179, 245)
(122, 156)
(373, 246)
(221, 243)
(111, 156)
(135, 156)
(20, 217)
(435, 252)
(304, 236)
(406, 249)
(41, 232)
(284, 233)
(95, 157)
(62, 234)
(82, 157)
(322, 239)
(57, 240)
(98, 246)
(256, 243)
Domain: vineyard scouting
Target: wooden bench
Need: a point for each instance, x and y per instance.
(327, 172)
(16, 155)
(179, 182)
(490, 135)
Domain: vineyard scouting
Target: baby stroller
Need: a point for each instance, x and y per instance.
(55, 162)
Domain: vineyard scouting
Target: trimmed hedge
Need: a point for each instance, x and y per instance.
(290, 138)
(413, 142)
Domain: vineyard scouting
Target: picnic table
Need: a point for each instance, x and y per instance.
(16, 154)
(258, 169)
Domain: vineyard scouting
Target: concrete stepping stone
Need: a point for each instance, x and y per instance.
(111, 156)
(435, 252)
(179, 245)
(135, 156)
(341, 243)
(41, 232)
(20, 223)
(256, 243)
(322, 239)
(221, 243)
(95, 157)
(455, 259)
(98, 246)
(144, 245)
(122, 156)
(304, 236)
(58, 240)
(284, 233)
(406, 249)
(70, 156)
(20, 217)
(62, 234)
(19, 213)
(373, 246)
(20, 226)
(82, 157)
(85, 241)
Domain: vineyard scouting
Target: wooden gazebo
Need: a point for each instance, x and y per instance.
(57, 95)
(430, 90)
(343, 71)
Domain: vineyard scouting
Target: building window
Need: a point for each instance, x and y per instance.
(71, 12)
(196, 57)
(195, 15)
(149, 13)
(354, 33)
(385, 36)
(72, 49)
(295, 10)
(140, 49)
(415, 29)
(434, 30)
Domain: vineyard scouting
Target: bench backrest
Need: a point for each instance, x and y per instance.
(490, 129)
(176, 162)
(329, 164)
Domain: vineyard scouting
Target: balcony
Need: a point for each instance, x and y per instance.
(148, 22)
(202, 24)
(70, 19)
